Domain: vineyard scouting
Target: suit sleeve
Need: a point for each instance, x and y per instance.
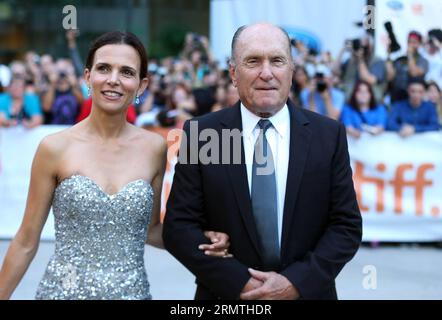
(183, 228)
(318, 269)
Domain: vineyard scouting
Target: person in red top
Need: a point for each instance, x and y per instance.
(87, 106)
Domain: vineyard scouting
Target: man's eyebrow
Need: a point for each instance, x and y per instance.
(252, 56)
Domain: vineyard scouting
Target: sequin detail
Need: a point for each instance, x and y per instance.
(100, 240)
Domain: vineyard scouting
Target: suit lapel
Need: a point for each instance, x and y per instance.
(300, 138)
(238, 178)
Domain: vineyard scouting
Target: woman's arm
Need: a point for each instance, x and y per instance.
(391, 71)
(219, 241)
(25, 243)
(35, 121)
(3, 120)
(47, 98)
(154, 237)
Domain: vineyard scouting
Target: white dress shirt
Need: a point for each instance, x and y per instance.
(278, 137)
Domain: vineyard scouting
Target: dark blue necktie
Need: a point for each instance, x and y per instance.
(264, 197)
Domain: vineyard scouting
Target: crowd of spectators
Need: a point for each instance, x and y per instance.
(365, 92)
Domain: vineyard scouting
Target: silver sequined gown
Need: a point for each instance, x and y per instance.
(99, 246)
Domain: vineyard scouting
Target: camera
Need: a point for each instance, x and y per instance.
(394, 45)
(62, 74)
(167, 118)
(204, 59)
(434, 35)
(356, 44)
(321, 85)
(163, 85)
(196, 39)
(36, 59)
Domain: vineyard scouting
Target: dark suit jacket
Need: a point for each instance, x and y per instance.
(322, 225)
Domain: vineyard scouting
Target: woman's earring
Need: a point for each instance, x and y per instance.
(137, 100)
(88, 91)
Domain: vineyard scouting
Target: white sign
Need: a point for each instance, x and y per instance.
(399, 186)
(17, 150)
(325, 25)
(405, 15)
(398, 183)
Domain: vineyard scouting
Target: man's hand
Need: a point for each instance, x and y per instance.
(325, 95)
(219, 247)
(274, 287)
(411, 52)
(71, 36)
(407, 130)
(11, 123)
(251, 285)
(53, 77)
(359, 54)
(205, 42)
(355, 133)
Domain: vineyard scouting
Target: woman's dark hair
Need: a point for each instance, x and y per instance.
(353, 103)
(296, 86)
(434, 84)
(118, 37)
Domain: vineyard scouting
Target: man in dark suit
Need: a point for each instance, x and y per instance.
(292, 228)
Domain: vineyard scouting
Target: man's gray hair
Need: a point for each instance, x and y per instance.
(237, 35)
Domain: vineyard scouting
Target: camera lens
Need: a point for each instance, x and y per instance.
(321, 86)
(356, 44)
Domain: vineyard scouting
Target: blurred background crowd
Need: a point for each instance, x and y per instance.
(41, 69)
(356, 87)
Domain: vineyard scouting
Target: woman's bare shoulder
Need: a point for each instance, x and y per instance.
(54, 144)
(150, 140)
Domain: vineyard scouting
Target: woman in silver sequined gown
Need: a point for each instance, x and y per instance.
(103, 178)
(99, 250)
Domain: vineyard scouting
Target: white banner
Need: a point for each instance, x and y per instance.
(399, 186)
(398, 182)
(323, 24)
(17, 149)
(405, 15)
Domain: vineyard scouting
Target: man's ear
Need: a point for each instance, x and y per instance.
(143, 85)
(232, 72)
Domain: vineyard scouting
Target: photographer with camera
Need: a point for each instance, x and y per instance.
(321, 96)
(413, 65)
(63, 97)
(197, 51)
(362, 65)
